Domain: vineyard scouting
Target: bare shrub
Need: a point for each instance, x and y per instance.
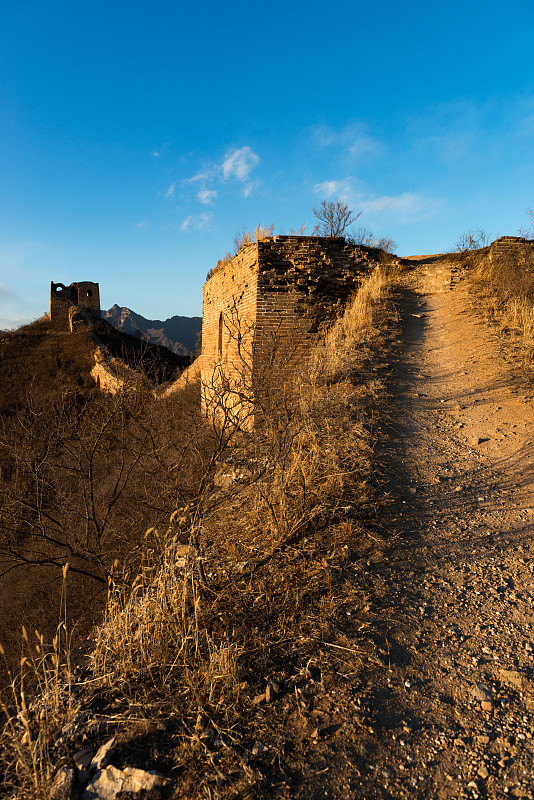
(335, 217)
(236, 570)
(365, 237)
(472, 240)
(528, 231)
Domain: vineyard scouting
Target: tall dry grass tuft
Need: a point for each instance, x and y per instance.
(41, 702)
(504, 287)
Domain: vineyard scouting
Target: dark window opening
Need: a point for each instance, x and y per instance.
(220, 336)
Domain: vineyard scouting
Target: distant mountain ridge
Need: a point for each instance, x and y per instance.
(181, 335)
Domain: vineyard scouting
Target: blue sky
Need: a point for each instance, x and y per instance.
(136, 139)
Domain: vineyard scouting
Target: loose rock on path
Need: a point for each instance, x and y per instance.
(453, 701)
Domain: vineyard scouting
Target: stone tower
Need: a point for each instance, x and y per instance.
(262, 308)
(83, 294)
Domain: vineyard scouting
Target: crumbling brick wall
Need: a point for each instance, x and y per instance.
(261, 310)
(83, 294)
(515, 247)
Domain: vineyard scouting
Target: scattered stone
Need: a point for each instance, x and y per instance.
(513, 676)
(83, 758)
(482, 693)
(259, 699)
(258, 749)
(63, 784)
(103, 756)
(486, 705)
(483, 772)
(108, 783)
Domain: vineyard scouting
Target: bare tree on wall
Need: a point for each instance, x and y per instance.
(334, 217)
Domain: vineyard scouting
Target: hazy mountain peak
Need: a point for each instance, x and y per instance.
(179, 334)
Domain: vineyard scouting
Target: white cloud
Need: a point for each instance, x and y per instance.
(406, 207)
(170, 191)
(341, 189)
(207, 196)
(12, 323)
(159, 151)
(142, 224)
(239, 163)
(353, 141)
(195, 221)
(201, 177)
(249, 188)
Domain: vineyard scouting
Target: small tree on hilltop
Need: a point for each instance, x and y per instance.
(334, 217)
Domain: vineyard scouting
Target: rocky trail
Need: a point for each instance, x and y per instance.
(450, 701)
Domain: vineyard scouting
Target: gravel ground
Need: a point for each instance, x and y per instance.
(452, 706)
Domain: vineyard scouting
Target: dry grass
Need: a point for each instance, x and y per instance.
(228, 594)
(243, 239)
(40, 703)
(504, 286)
(248, 585)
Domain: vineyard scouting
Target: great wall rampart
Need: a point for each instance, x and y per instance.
(260, 311)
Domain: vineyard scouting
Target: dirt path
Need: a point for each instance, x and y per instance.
(451, 708)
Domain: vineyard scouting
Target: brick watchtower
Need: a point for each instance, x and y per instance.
(262, 308)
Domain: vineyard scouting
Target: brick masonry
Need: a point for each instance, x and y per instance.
(84, 294)
(511, 246)
(262, 308)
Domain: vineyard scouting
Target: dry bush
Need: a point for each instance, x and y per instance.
(504, 286)
(35, 706)
(237, 585)
(365, 237)
(242, 239)
(246, 581)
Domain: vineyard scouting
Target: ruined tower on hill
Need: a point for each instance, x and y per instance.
(83, 295)
(262, 309)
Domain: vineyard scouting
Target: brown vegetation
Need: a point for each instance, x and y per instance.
(244, 570)
(503, 284)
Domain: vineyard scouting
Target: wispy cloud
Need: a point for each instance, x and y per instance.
(207, 196)
(342, 189)
(160, 150)
(141, 224)
(15, 310)
(206, 174)
(170, 191)
(195, 221)
(404, 207)
(353, 141)
(250, 188)
(239, 163)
